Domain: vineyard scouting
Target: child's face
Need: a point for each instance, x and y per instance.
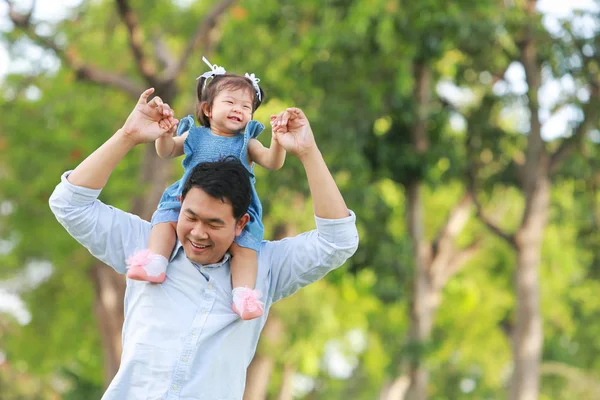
(231, 111)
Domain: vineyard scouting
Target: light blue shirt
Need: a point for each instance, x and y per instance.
(181, 340)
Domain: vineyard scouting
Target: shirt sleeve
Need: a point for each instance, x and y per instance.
(110, 235)
(298, 261)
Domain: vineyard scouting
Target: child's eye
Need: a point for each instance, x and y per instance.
(247, 107)
(228, 101)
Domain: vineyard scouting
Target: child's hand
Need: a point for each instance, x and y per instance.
(274, 134)
(292, 130)
(149, 120)
(170, 132)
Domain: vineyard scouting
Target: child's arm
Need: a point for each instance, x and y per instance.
(169, 146)
(270, 158)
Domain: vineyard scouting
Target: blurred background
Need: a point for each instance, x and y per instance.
(464, 134)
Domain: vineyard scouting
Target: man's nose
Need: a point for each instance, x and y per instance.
(199, 231)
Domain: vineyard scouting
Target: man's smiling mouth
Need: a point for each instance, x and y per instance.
(199, 246)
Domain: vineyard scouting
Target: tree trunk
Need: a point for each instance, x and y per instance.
(108, 307)
(257, 378)
(421, 310)
(395, 390)
(528, 335)
(287, 383)
(424, 297)
(261, 367)
(259, 371)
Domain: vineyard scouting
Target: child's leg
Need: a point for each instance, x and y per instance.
(244, 267)
(150, 265)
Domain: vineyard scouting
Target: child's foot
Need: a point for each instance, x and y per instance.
(246, 303)
(146, 266)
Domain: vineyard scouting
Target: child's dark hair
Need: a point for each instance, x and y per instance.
(206, 94)
(227, 180)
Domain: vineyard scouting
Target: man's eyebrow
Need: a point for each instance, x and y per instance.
(207, 220)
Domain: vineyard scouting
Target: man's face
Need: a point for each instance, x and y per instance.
(206, 227)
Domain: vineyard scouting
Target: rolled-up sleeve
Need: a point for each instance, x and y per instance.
(306, 258)
(111, 235)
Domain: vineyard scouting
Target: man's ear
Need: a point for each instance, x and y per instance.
(239, 225)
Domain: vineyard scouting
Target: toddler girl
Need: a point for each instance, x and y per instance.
(226, 104)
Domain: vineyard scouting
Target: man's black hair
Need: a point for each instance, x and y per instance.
(227, 180)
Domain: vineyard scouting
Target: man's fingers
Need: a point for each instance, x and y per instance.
(285, 116)
(296, 112)
(166, 110)
(156, 102)
(144, 96)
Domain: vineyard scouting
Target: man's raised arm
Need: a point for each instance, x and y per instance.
(299, 261)
(108, 233)
(146, 123)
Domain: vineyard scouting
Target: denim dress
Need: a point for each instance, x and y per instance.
(201, 145)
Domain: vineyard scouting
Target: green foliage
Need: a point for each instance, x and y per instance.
(350, 66)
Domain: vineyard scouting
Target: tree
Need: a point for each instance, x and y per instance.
(532, 170)
(149, 62)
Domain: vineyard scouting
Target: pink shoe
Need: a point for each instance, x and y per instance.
(246, 303)
(146, 266)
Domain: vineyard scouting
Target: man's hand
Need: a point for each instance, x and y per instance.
(149, 120)
(292, 130)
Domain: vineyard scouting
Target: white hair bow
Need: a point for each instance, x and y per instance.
(214, 70)
(254, 81)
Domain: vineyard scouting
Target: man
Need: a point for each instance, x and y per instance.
(181, 340)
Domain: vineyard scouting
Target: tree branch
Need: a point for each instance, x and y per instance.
(536, 148)
(98, 76)
(164, 55)
(444, 251)
(20, 19)
(591, 113)
(575, 376)
(443, 245)
(458, 261)
(70, 58)
(209, 22)
(509, 238)
(457, 219)
(136, 38)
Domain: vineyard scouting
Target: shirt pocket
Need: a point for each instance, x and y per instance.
(157, 367)
(157, 319)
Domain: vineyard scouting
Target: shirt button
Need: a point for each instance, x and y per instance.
(174, 387)
(194, 332)
(184, 359)
(204, 311)
(210, 287)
